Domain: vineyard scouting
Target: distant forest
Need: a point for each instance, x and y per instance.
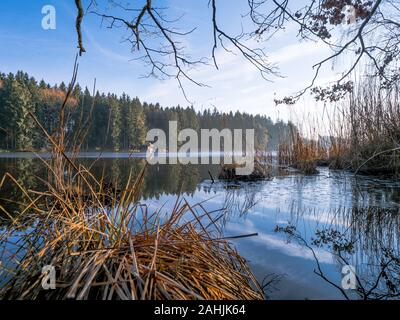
(109, 122)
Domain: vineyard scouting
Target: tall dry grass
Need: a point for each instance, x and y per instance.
(301, 153)
(364, 134)
(373, 116)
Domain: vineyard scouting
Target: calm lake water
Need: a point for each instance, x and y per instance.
(365, 209)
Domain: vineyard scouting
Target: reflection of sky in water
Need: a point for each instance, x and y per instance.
(310, 203)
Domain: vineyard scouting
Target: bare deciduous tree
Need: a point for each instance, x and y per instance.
(371, 36)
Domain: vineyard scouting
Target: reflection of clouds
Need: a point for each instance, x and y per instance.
(282, 222)
(279, 204)
(328, 219)
(309, 203)
(275, 242)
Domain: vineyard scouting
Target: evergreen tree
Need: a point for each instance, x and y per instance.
(136, 124)
(18, 103)
(116, 122)
(108, 121)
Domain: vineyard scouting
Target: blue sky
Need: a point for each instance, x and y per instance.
(49, 54)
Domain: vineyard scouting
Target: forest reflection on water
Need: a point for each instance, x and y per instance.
(366, 210)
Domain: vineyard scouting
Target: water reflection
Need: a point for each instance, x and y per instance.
(366, 210)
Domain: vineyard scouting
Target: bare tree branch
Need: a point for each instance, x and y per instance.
(154, 34)
(79, 19)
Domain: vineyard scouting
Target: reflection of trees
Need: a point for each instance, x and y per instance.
(370, 221)
(369, 227)
(374, 219)
(366, 224)
(371, 235)
(171, 179)
(239, 199)
(372, 224)
(24, 170)
(374, 192)
(367, 209)
(372, 280)
(116, 170)
(159, 179)
(26, 173)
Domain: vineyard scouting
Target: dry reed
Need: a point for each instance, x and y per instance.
(105, 246)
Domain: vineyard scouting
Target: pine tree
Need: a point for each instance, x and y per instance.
(19, 102)
(116, 123)
(136, 124)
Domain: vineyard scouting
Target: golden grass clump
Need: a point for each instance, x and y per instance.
(300, 153)
(105, 245)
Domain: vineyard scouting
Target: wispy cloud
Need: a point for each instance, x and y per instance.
(237, 85)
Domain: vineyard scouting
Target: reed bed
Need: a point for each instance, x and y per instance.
(300, 153)
(364, 134)
(305, 154)
(374, 119)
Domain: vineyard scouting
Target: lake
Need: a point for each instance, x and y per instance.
(364, 209)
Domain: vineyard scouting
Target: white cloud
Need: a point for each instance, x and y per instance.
(238, 85)
(298, 51)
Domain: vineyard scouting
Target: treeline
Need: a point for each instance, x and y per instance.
(106, 121)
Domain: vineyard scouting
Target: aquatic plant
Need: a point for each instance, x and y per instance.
(300, 153)
(374, 117)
